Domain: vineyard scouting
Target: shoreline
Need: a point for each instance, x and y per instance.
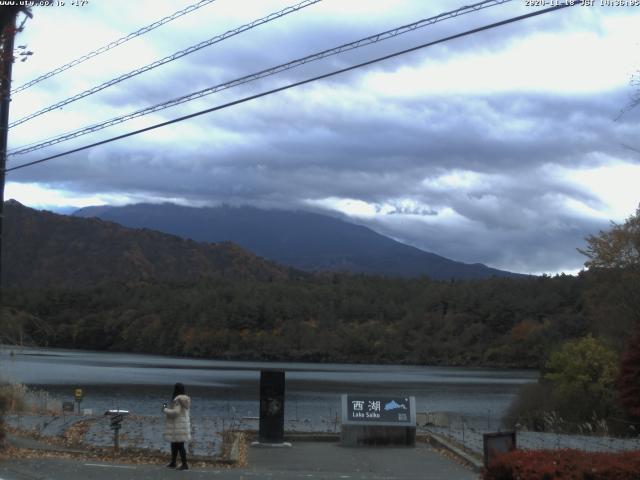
(248, 363)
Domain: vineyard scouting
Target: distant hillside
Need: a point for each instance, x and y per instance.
(308, 241)
(46, 249)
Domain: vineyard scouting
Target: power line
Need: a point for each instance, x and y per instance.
(258, 75)
(169, 58)
(114, 44)
(302, 82)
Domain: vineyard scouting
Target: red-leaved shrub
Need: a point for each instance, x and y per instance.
(565, 464)
(629, 377)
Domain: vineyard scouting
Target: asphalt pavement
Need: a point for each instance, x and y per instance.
(304, 460)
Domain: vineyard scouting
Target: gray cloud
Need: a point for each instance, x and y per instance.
(278, 42)
(403, 154)
(381, 158)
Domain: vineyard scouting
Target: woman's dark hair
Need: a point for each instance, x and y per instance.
(178, 389)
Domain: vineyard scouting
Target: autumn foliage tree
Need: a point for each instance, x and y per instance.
(614, 259)
(614, 277)
(617, 248)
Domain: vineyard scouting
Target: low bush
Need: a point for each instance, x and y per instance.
(3, 406)
(530, 409)
(16, 398)
(565, 464)
(13, 397)
(576, 393)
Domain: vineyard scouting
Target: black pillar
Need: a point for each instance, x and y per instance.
(272, 406)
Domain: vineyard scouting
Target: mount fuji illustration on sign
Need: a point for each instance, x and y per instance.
(393, 405)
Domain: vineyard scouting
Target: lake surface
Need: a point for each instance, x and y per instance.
(141, 383)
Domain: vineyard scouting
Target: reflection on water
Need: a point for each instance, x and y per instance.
(141, 383)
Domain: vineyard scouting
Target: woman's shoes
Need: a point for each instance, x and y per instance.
(184, 466)
(171, 465)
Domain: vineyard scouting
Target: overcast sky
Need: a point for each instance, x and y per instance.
(503, 147)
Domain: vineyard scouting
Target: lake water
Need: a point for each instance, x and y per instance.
(141, 383)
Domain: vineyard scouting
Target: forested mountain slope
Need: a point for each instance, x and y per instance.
(304, 240)
(46, 249)
(86, 283)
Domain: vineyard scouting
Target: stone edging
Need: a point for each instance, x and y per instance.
(437, 441)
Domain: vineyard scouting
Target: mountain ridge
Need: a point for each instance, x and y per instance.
(299, 239)
(43, 249)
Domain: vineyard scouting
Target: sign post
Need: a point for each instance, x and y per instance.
(67, 407)
(116, 418)
(78, 395)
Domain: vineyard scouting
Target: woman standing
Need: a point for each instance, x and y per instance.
(177, 428)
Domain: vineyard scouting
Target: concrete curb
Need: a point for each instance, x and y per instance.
(311, 437)
(271, 445)
(302, 436)
(440, 442)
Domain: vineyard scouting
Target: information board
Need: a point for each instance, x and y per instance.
(372, 409)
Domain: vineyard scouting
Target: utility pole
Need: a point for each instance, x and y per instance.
(8, 27)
